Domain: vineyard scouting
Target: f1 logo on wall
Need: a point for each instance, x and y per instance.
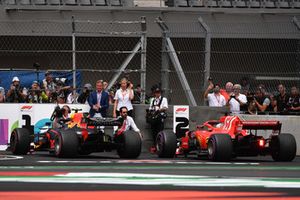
(181, 118)
(26, 117)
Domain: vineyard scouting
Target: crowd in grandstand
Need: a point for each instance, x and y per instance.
(237, 97)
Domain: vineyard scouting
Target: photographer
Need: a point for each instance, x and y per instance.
(237, 101)
(36, 95)
(16, 94)
(262, 102)
(293, 104)
(157, 114)
(60, 115)
(83, 97)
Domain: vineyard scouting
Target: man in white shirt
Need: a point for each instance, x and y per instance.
(237, 100)
(215, 99)
(158, 103)
(157, 114)
(128, 122)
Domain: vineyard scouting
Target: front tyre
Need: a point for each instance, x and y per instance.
(220, 147)
(283, 147)
(20, 141)
(66, 144)
(130, 144)
(166, 144)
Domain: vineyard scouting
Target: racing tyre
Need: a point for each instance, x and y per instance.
(283, 147)
(20, 141)
(219, 147)
(166, 144)
(66, 144)
(130, 144)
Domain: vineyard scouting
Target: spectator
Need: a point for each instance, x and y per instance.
(98, 101)
(105, 84)
(123, 97)
(111, 97)
(137, 94)
(215, 99)
(157, 114)
(127, 122)
(72, 96)
(61, 92)
(48, 82)
(293, 103)
(262, 102)
(16, 94)
(280, 100)
(36, 95)
(237, 101)
(83, 97)
(2, 95)
(228, 91)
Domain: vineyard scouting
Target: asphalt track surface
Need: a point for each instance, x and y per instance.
(42, 176)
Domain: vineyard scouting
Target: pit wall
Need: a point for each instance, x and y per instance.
(36, 115)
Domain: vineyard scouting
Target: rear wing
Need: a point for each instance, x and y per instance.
(103, 122)
(261, 125)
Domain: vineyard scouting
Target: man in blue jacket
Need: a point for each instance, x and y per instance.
(98, 101)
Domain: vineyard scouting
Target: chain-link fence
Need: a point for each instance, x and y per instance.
(249, 53)
(96, 49)
(261, 52)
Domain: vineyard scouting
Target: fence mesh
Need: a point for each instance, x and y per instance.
(261, 52)
(265, 52)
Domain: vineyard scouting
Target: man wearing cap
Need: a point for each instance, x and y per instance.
(157, 114)
(83, 97)
(16, 94)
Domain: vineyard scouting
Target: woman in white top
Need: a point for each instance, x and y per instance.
(123, 98)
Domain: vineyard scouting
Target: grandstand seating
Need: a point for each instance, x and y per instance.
(268, 4)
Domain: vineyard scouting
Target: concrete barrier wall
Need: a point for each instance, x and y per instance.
(198, 115)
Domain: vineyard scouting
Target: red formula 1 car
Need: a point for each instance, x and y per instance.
(78, 135)
(229, 137)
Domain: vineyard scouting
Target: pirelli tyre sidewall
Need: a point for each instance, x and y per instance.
(66, 144)
(20, 141)
(129, 144)
(283, 147)
(166, 144)
(219, 147)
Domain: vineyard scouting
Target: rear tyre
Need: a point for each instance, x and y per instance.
(66, 144)
(220, 147)
(283, 147)
(20, 141)
(166, 144)
(130, 144)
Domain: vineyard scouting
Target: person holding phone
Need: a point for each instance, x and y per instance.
(123, 97)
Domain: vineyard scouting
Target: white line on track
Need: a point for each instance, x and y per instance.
(10, 157)
(145, 162)
(158, 179)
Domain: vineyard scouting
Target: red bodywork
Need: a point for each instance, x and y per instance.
(231, 125)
